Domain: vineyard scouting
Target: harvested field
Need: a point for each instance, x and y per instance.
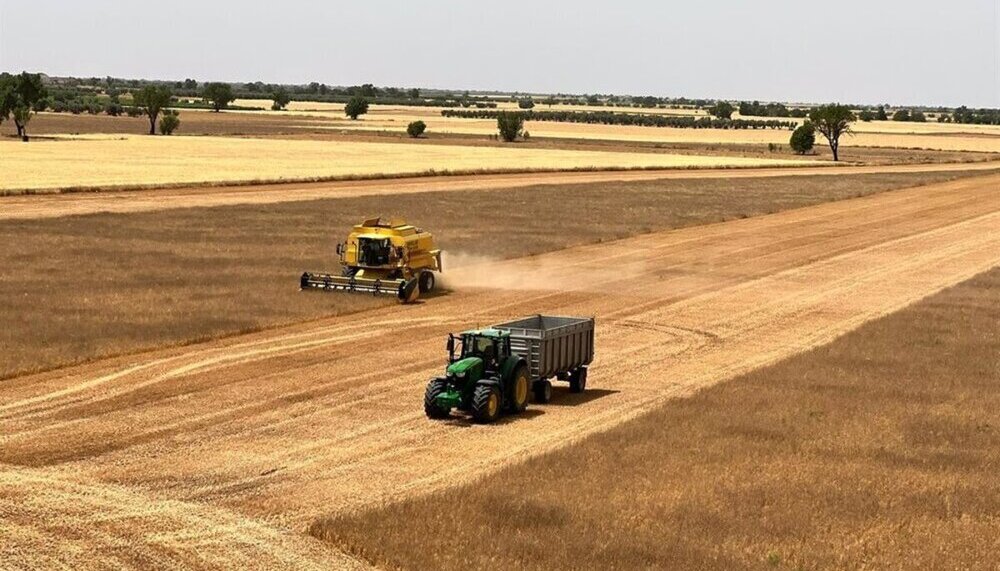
(49, 205)
(286, 427)
(129, 161)
(877, 451)
(163, 278)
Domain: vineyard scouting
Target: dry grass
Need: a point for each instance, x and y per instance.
(105, 161)
(878, 451)
(77, 288)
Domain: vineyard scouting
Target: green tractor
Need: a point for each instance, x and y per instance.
(483, 378)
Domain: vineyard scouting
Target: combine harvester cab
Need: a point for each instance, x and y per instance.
(383, 257)
(493, 370)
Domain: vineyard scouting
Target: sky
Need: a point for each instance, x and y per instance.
(852, 51)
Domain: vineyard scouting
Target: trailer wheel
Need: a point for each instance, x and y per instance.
(578, 380)
(519, 386)
(426, 281)
(431, 407)
(486, 404)
(542, 390)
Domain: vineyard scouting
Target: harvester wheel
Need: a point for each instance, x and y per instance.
(434, 388)
(426, 281)
(517, 399)
(542, 390)
(578, 380)
(486, 404)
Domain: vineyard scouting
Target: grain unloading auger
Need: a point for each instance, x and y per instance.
(382, 257)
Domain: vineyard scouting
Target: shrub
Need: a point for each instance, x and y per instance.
(526, 103)
(114, 109)
(416, 129)
(169, 122)
(803, 138)
(509, 125)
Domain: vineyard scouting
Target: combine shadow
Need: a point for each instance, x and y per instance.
(561, 396)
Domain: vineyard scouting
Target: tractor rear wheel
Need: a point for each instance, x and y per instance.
(431, 407)
(578, 380)
(543, 391)
(486, 404)
(518, 388)
(426, 281)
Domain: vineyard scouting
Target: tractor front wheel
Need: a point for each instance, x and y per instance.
(431, 407)
(543, 391)
(426, 281)
(519, 386)
(486, 404)
(578, 380)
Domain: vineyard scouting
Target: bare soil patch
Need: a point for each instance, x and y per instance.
(78, 288)
(877, 451)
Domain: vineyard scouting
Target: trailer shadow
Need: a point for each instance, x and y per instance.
(561, 396)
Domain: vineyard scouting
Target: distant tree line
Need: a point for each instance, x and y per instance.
(972, 116)
(635, 119)
(757, 109)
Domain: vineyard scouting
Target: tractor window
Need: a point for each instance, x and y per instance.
(476, 345)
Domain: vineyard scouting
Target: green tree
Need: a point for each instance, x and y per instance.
(151, 101)
(722, 110)
(20, 97)
(170, 122)
(880, 114)
(416, 128)
(803, 138)
(356, 107)
(526, 103)
(901, 115)
(866, 115)
(218, 95)
(510, 125)
(281, 99)
(413, 93)
(833, 121)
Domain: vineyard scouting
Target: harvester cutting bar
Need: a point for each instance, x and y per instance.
(402, 289)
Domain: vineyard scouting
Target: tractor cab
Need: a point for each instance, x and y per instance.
(492, 346)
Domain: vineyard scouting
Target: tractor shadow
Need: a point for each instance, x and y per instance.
(561, 396)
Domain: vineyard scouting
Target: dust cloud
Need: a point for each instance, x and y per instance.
(536, 273)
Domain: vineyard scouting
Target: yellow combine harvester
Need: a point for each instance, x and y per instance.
(383, 257)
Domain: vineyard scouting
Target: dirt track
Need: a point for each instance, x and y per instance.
(226, 451)
(54, 205)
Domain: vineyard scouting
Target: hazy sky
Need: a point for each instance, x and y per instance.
(895, 51)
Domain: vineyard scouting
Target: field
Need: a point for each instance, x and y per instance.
(228, 451)
(110, 162)
(872, 452)
(223, 271)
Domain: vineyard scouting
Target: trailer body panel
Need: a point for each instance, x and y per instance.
(551, 345)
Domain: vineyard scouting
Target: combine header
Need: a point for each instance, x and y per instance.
(383, 257)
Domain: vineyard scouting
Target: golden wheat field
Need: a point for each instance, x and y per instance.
(103, 161)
